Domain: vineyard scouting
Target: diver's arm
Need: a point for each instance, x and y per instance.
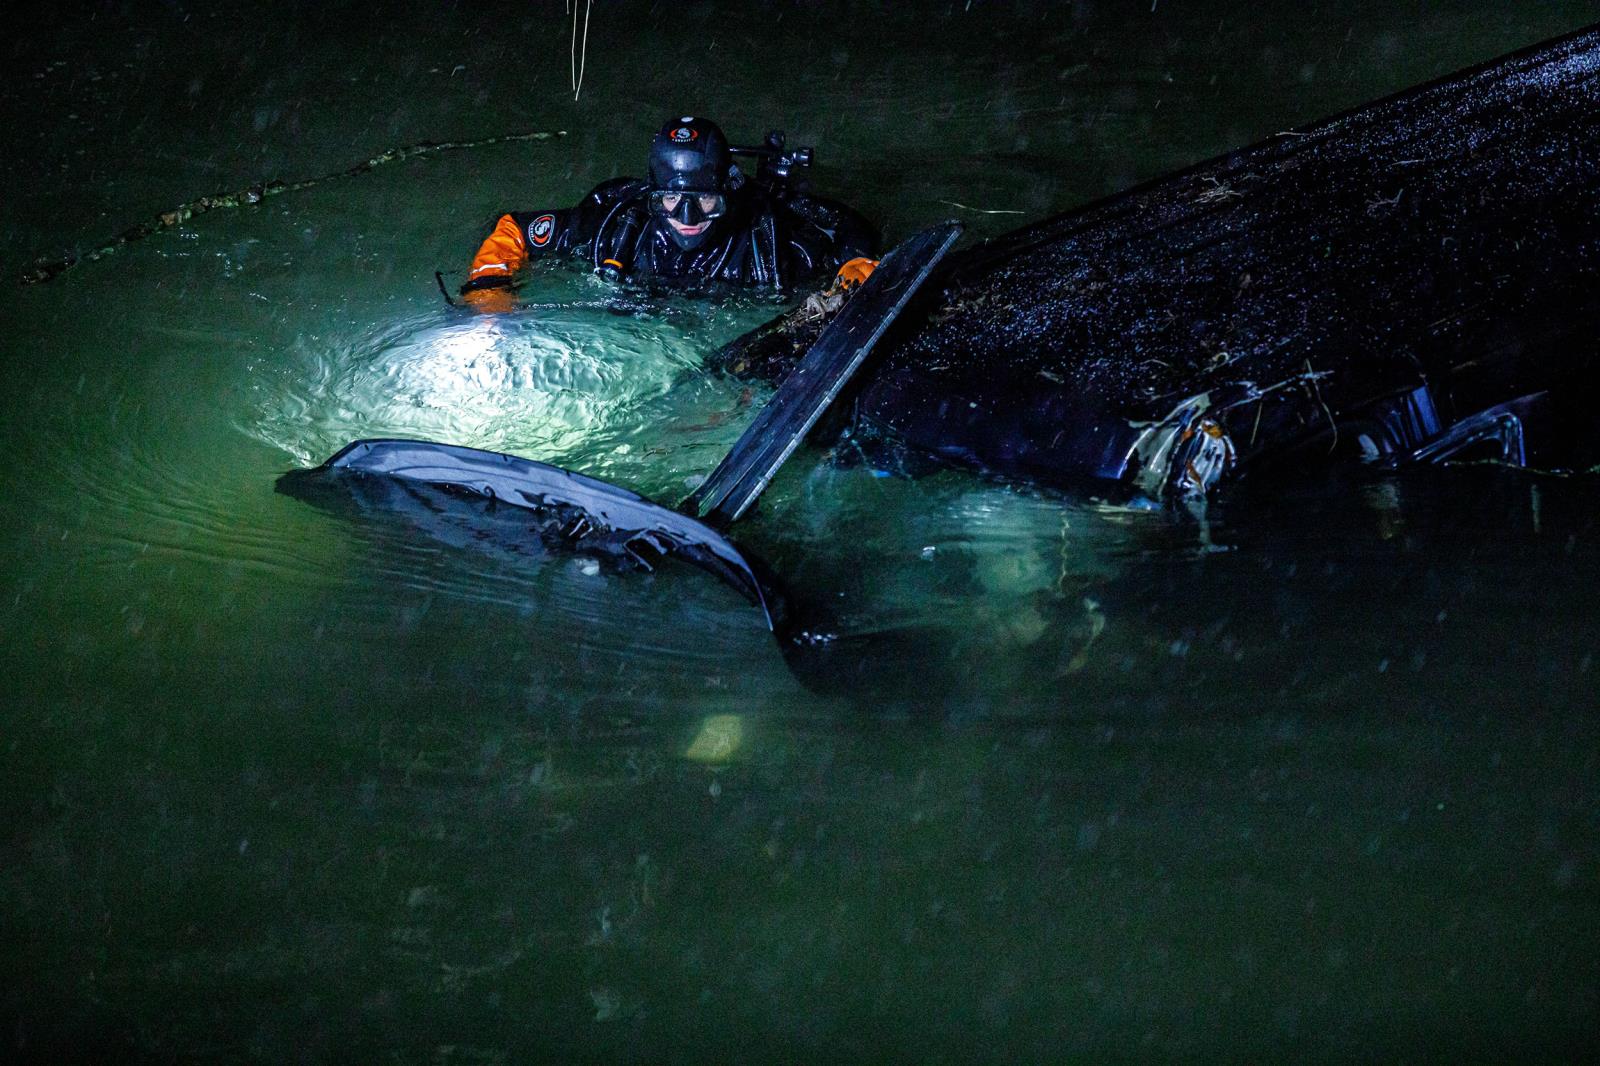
(517, 239)
(849, 234)
(852, 242)
(501, 255)
(855, 242)
(520, 237)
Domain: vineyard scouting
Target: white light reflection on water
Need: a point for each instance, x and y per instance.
(537, 383)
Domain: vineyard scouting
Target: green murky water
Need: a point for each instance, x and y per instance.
(1312, 777)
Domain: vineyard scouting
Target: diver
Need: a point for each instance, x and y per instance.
(697, 219)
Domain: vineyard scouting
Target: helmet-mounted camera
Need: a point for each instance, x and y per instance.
(778, 168)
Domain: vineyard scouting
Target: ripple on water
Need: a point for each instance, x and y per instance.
(538, 384)
(142, 496)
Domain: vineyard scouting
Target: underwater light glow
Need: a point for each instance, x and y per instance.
(534, 385)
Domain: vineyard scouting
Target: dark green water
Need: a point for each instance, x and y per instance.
(1309, 777)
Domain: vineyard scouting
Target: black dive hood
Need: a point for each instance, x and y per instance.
(689, 156)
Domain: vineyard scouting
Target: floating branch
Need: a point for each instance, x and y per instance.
(45, 270)
(983, 210)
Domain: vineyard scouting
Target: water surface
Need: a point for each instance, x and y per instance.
(1307, 775)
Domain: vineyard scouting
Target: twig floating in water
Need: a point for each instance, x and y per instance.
(981, 210)
(45, 270)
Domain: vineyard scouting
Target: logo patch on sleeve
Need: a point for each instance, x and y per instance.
(541, 229)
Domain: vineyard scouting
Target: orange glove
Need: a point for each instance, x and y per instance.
(854, 272)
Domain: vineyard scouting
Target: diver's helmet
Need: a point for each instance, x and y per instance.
(691, 175)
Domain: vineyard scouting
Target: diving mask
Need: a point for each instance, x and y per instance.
(690, 207)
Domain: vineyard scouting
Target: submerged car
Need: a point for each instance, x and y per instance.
(1416, 280)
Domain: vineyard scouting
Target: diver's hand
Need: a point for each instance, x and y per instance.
(854, 272)
(821, 306)
(491, 301)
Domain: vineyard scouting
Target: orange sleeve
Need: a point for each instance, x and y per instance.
(501, 254)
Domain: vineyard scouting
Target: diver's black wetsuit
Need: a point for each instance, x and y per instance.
(763, 241)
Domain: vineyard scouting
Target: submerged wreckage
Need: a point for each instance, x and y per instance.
(1416, 280)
